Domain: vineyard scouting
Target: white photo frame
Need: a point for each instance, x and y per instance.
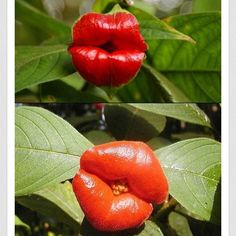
(231, 120)
(3, 118)
(7, 35)
(7, 65)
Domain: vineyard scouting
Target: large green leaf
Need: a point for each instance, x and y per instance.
(32, 16)
(195, 69)
(47, 149)
(39, 64)
(57, 201)
(187, 112)
(151, 86)
(205, 54)
(131, 123)
(193, 169)
(198, 86)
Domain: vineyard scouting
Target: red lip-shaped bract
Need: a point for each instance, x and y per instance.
(111, 207)
(107, 49)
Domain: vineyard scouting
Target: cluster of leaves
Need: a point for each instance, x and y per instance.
(183, 60)
(48, 149)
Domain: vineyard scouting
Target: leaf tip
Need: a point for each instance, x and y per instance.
(191, 40)
(188, 38)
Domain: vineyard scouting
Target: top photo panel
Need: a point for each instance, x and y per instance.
(74, 51)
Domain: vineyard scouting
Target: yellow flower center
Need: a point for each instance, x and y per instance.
(118, 187)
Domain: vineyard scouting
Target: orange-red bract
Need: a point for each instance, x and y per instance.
(127, 161)
(107, 49)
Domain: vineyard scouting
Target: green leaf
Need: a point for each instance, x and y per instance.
(20, 223)
(32, 16)
(153, 28)
(151, 86)
(193, 169)
(56, 40)
(137, 124)
(151, 229)
(171, 92)
(74, 80)
(102, 6)
(198, 85)
(180, 224)
(47, 149)
(39, 64)
(205, 54)
(57, 201)
(186, 112)
(194, 69)
(206, 6)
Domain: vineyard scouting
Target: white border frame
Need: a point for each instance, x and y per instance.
(7, 12)
(232, 118)
(3, 118)
(10, 112)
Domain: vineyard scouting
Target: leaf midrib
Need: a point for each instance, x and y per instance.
(25, 62)
(48, 151)
(184, 171)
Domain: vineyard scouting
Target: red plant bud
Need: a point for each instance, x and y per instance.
(117, 183)
(107, 49)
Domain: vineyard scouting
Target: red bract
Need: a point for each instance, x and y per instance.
(117, 183)
(107, 50)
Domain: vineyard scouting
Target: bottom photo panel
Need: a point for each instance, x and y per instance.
(118, 169)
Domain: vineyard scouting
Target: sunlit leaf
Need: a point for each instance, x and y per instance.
(47, 149)
(193, 169)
